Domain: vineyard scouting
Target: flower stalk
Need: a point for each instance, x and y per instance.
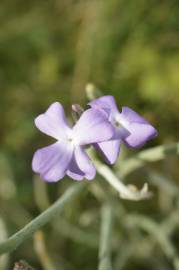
(125, 192)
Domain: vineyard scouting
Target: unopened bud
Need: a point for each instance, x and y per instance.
(92, 92)
(77, 111)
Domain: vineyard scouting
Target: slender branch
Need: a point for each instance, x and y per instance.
(125, 192)
(104, 246)
(171, 222)
(162, 182)
(76, 234)
(62, 226)
(158, 234)
(42, 252)
(18, 238)
(150, 155)
(41, 194)
(4, 260)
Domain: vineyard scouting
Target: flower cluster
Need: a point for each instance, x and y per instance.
(102, 126)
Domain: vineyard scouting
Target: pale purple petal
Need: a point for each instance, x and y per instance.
(93, 126)
(140, 130)
(81, 166)
(110, 150)
(107, 103)
(74, 171)
(131, 116)
(51, 162)
(53, 122)
(84, 162)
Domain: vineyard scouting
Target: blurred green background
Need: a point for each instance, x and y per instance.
(49, 51)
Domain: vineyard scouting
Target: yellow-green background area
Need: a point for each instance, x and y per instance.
(49, 51)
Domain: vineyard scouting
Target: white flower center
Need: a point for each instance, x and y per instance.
(71, 139)
(116, 121)
(119, 122)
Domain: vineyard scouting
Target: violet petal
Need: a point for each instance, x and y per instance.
(84, 162)
(51, 162)
(93, 126)
(74, 171)
(53, 122)
(140, 130)
(110, 150)
(106, 103)
(81, 166)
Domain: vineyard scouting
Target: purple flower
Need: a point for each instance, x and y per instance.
(67, 155)
(129, 126)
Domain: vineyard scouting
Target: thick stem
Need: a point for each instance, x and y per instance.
(18, 238)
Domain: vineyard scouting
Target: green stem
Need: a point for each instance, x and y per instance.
(18, 238)
(158, 234)
(125, 192)
(105, 237)
(150, 155)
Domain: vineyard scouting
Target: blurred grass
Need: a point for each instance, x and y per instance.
(49, 51)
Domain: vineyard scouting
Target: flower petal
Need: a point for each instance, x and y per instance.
(93, 126)
(131, 116)
(74, 171)
(110, 150)
(53, 122)
(140, 130)
(106, 102)
(52, 161)
(81, 166)
(84, 162)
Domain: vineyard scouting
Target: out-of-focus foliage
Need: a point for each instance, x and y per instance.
(49, 51)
